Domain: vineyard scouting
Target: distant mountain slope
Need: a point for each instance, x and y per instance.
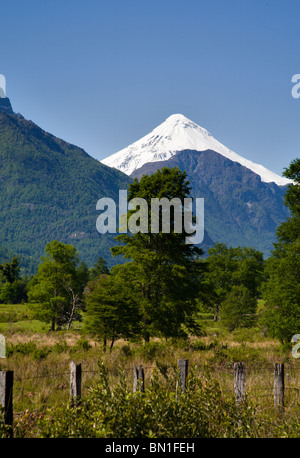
(240, 209)
(178, 133)
(49, 190)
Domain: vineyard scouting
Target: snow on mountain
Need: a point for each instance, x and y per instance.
(175, 134)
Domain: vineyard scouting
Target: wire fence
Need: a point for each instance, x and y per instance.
(278, 387)
(62, 371)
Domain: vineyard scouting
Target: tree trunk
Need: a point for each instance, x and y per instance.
(146, 337)
(112, 344)
(216, 315)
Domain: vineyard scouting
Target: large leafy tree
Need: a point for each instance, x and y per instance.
(10, 270)
(239, 308)
(56, 290)
(289, 231)
(12, 287)
(230, 267)
(111, 310)
(162, 267)
(282, 294)
(99, 268)
(282, 289)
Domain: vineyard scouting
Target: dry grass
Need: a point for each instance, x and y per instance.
(42, 382)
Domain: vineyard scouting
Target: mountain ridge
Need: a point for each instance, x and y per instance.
(5, 105)
(239, 208)
(178, 133)
(48, 190)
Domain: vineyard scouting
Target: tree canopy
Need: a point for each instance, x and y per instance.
(229, 267)
(282, 288)
(110, 309)
(12, 287)
(162, 268)
(56, 290)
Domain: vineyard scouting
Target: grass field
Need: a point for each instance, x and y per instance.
(41, 359)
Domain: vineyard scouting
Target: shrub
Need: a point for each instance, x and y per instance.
(117, 412)
(152, 350)
(82, 344)
(12, 293)
(41, 353)
(9, 317)
(126, 351)
(228, 356)
(60, 347)
(28, 348)
(4, 429)
(201, 346)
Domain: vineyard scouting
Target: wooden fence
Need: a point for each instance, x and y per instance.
(7, 381)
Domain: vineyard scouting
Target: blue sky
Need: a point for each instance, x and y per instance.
(102, 74)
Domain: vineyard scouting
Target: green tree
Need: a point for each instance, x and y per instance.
(288, 232)
(56, 290)
(111, 310)
(292, 195)
(228, 267)
(162, 268)
(282, 288)
(12, 287)
(11, 270)
(99, 268)
(239, 308)
(282, 294)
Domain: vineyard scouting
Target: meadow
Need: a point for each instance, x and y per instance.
(41, 360)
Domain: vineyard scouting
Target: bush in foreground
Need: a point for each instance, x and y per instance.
(157, 413)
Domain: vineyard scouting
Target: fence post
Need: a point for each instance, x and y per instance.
(183, 367)
(2, 347)
(279, 386)
(138, 378)
(6, 397)
(239, 381)
(75, 382)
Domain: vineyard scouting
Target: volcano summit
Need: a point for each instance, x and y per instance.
(175, 134)
(243, 201)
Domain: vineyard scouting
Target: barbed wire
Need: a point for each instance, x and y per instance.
(48, 373)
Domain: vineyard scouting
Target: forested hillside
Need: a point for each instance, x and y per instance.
(49, 190)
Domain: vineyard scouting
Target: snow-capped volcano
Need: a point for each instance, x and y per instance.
(178, 133)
